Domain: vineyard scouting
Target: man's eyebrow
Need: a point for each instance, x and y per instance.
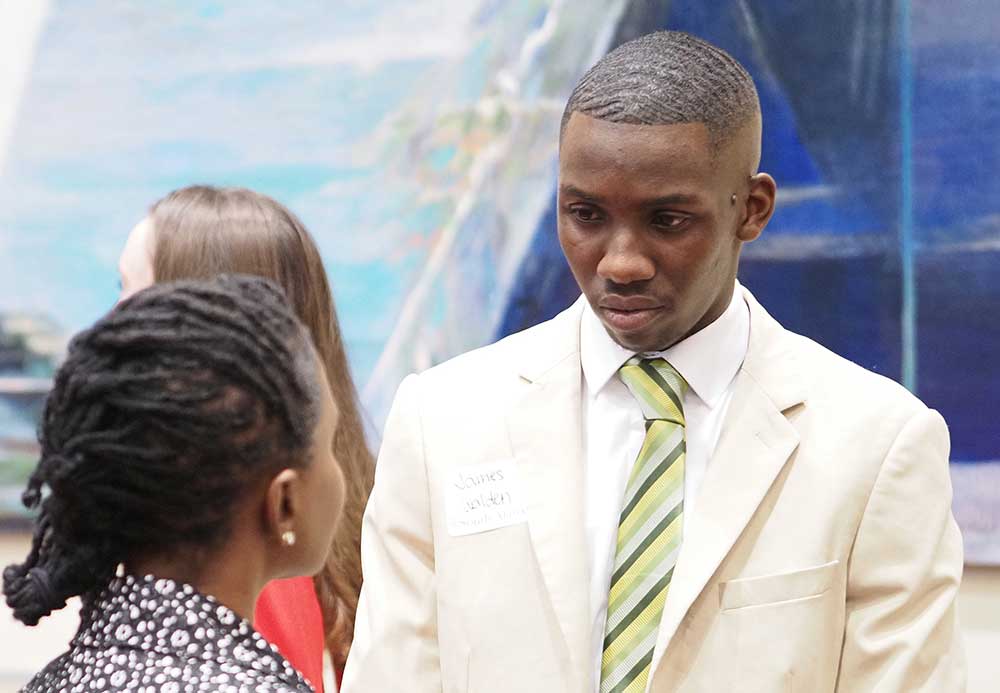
(574, 191)
(675, 199)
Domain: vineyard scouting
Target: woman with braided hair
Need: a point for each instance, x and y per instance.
(202, 231)
(186, 460)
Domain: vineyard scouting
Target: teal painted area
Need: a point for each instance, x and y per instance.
(907, 244)
(471, 83)
(440, 157)
(211, 10)
(283, 182)
(366, 119)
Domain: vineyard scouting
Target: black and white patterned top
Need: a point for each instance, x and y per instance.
(144, 635)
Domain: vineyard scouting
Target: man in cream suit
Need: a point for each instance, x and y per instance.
(660, 489)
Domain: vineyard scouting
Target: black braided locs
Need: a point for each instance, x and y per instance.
(665, 78)
(161, 416)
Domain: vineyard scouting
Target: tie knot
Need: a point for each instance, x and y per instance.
(657, 386)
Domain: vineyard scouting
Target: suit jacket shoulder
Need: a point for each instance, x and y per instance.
(529, 353)
(836, 380)
(804, 378)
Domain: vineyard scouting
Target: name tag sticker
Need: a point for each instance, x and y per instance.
(481, 497)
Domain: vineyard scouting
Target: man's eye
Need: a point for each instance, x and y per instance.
(585, 214)
(669, 221)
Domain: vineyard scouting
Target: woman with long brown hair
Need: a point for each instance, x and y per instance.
(202, 231)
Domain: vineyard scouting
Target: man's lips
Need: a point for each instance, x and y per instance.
(629, 313)
(625, 303)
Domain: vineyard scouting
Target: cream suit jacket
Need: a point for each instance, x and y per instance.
(823, 555)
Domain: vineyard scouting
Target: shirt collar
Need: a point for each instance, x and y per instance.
(174, 619)
(708, 360)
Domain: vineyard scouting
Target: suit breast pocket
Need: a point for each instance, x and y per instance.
(783, 632)
(806, 583)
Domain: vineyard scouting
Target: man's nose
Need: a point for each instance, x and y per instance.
(626, 259)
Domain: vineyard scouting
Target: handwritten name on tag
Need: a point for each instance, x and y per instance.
(482, 497)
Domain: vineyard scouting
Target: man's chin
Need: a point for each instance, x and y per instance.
(640, 341)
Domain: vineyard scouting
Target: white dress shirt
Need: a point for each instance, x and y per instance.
(614, 430)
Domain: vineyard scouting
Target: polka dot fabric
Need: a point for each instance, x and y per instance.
(148, 635)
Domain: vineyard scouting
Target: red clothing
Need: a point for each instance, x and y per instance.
(289, 616)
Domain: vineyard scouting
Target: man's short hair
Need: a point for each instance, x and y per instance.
(666, 78)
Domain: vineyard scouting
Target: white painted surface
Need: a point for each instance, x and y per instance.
(21, 23)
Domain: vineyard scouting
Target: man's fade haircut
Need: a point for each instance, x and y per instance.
(667, 78)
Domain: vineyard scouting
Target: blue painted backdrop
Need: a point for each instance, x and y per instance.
(882, 127)
(417, 140)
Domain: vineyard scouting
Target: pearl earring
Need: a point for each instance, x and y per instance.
(288, 538)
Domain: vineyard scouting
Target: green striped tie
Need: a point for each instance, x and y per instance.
(649, 529)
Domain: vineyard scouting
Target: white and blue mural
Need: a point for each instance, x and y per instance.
(417, 139)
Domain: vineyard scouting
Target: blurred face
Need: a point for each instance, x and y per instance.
(135, 266)
(650, 227)
(323, 485)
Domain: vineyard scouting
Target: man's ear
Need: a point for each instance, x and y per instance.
(759, 206)
(283, 505)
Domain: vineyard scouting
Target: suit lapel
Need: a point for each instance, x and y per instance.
(546, 434)
(544, 423)
(756, 442)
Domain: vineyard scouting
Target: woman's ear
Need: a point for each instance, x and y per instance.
(761, 194)
(282, 514)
